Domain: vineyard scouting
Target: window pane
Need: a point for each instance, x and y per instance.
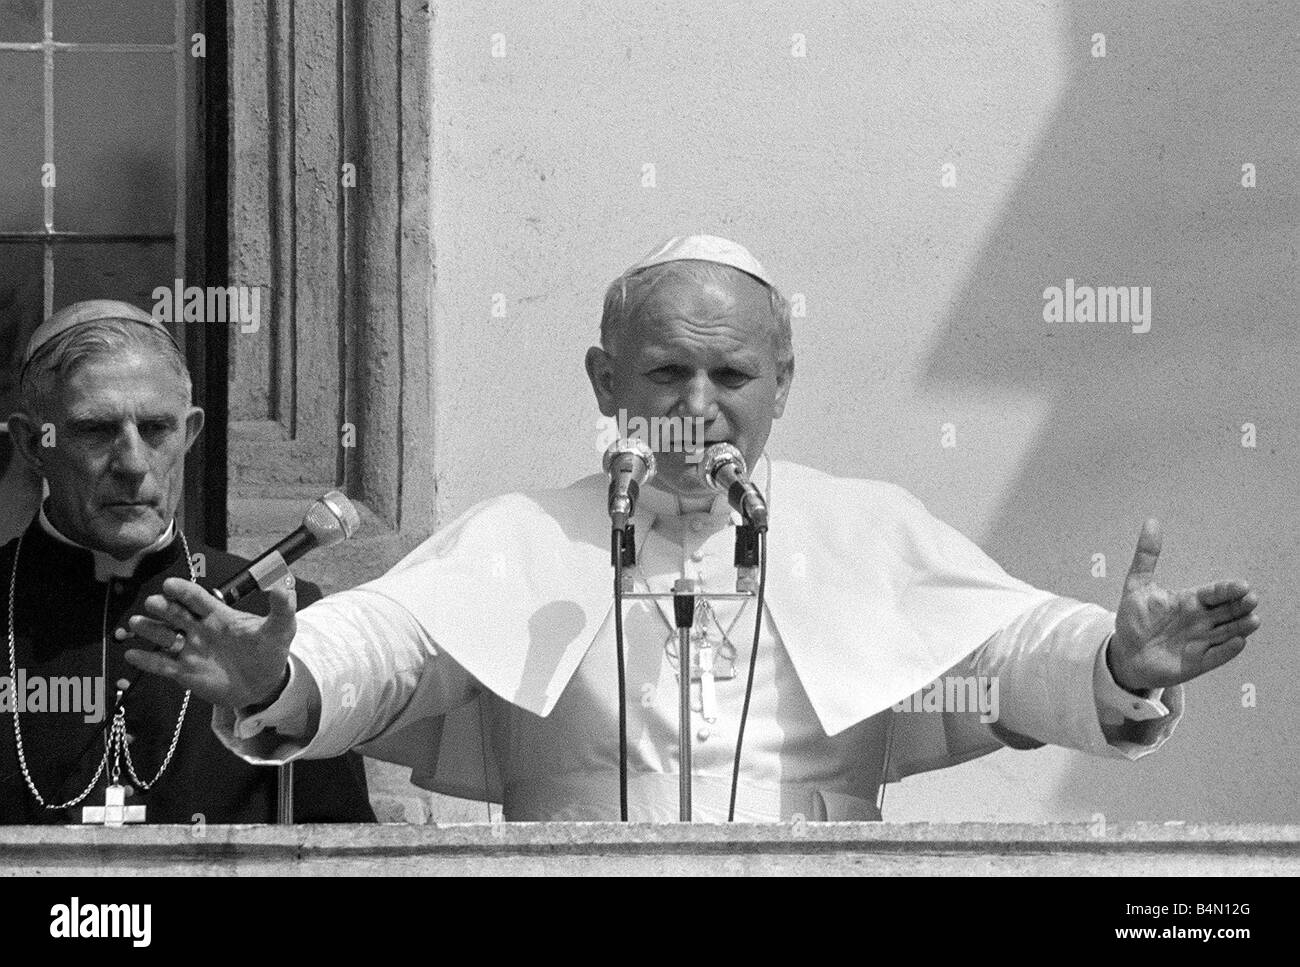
(22, 21)
(22, 146)
(21, 310)
(115, 21)
(114, 142)
(119, 270)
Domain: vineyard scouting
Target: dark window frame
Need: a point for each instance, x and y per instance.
(198, 236)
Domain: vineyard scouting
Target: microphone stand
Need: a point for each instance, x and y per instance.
(284, 795)
(749, 554)
(684, 618)
(684, 595)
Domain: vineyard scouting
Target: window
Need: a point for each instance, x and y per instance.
(99, 193)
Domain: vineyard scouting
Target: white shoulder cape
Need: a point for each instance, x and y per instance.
(873, 597)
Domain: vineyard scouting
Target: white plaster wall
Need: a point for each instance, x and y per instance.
(924, 302)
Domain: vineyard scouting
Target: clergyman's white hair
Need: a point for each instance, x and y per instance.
(59, 359)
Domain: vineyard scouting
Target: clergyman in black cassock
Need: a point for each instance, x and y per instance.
(64, 628)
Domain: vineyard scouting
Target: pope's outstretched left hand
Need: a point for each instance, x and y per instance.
(1165, 637)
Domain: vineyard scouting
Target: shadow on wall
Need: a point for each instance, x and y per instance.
(1138, 181)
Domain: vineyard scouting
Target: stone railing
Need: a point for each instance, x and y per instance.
(611, 848)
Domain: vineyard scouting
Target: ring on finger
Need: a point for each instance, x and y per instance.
(178, 644)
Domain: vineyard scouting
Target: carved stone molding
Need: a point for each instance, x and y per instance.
(330, 186)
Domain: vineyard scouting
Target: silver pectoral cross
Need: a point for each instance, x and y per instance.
(706, 652)
(711, 661)
(708, 694)
(114, 812)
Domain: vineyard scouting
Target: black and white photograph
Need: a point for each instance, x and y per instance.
(667, 439)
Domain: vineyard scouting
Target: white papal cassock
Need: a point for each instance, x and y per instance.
(485, 660)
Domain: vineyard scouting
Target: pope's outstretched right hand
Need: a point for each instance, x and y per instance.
(228, 657)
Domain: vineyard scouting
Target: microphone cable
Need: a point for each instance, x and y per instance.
(622, 674)
(749, 680)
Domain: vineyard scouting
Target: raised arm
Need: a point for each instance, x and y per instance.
(350, 669)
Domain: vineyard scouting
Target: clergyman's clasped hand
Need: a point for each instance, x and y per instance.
(229, 658)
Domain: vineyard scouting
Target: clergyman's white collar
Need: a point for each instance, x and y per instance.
(106, 565)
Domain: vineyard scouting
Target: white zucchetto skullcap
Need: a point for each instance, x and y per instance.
(704, 248)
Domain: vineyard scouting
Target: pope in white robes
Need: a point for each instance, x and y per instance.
(889, 643)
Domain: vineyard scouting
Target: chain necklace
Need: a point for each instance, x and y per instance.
(725, 652)
(115, 744)
(726, 649)
(711, 662)
(704, 613)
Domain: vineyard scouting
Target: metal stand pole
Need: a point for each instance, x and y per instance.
(684, 613)
(284, 795)
(684, 596)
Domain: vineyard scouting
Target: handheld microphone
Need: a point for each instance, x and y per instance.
(629, 463)
(330, 520)
(723, 468)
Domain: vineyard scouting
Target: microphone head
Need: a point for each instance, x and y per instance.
(332, 519)
(715, 458)
(634, 447)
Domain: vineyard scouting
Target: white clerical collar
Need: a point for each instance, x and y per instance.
(663, 504)
(106, 565)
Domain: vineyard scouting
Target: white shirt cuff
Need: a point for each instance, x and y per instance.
(1114, 698)
(287, 715)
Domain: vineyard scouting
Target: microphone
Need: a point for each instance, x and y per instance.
(629, 463)
(723, 468)
(330, 520)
